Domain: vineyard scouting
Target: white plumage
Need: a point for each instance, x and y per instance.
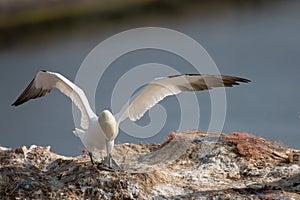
(95, 132)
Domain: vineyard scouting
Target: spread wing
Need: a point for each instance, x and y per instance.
(45, 81)
(172, 85)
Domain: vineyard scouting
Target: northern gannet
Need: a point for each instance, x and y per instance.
(99, 132)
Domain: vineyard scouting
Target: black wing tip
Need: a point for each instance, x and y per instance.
(22, 98)
(237, 79)
(243, 80)
(15, 104)
(18, 102)
(231, 81)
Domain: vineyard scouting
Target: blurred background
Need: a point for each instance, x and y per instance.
(255, 39)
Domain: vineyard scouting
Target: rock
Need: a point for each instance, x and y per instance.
(189, 165)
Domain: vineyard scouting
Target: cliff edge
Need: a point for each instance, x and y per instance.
(188, 165)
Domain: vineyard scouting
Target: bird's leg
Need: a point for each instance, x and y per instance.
(91, 157)
(109, 161)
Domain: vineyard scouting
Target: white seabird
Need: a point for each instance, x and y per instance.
(98, 132)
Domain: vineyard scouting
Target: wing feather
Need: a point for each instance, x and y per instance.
(45, 81)
(157, 90)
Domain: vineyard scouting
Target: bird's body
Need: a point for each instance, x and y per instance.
(99, 132)
(93, 138)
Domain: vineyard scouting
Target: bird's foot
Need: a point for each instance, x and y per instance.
(111, 163)
(94, 168)
(101, 166)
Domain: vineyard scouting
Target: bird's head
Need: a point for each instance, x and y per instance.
(108, 124)
(106, 115)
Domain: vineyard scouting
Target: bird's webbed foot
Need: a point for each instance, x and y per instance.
(111, 163)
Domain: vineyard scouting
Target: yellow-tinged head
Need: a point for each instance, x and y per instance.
(108, 124)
